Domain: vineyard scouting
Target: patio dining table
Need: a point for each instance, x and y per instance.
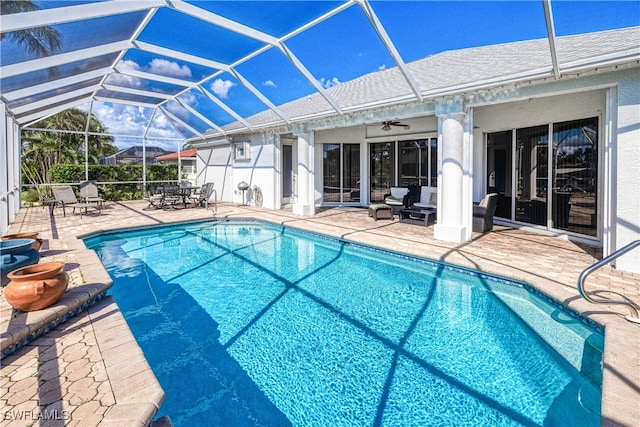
(185, 192)
(175, 192)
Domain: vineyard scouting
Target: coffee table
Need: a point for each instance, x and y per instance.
(417, 216)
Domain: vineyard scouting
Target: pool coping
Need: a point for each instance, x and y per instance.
(138, 406)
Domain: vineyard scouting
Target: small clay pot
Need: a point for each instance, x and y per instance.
(25, 235)
(36, 286)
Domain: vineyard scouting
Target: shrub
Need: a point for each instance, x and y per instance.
(30, 196)
(115, 174)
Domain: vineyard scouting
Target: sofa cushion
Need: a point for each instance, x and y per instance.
(428, 197)
(398, 192)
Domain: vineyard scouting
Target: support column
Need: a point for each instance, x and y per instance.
(13, 173)
(304, 205)
(453, 224)
(5, 123)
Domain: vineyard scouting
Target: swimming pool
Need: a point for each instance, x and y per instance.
(251, 323)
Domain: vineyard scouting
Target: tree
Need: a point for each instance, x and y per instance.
(41, 41)
(51, 145)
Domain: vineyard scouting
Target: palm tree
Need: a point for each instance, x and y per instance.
(40, 41)
(42, 149)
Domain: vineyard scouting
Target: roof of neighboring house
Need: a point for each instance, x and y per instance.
(191, 153)
(464, 70)
(136, 151)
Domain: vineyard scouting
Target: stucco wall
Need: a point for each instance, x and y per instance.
(216, 164)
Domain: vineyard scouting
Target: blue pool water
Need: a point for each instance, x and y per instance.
(256, 324)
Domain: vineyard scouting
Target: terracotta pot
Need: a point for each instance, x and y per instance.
(36, 286)
(25, 235)
(14, 254)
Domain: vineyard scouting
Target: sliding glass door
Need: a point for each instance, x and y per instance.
(531, 174)
(382, 172)
(418, 162)
(575, 176)
(341, 173)
(553, 186)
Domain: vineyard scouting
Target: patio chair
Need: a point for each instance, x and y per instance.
(154, 197)
(201, 198)
(64, 196)
(483, 213)
(89, 193)
(171, 196)
(396, 198)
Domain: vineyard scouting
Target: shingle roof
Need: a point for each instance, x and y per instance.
(470, 68)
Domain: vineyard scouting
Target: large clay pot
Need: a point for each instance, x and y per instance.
(14, 254)
(36, 286)
(25, 235)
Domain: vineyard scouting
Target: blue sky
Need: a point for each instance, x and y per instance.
(337, 50)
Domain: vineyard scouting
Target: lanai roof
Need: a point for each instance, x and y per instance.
(172, 61)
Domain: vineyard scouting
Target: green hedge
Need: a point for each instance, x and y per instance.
(115, 173)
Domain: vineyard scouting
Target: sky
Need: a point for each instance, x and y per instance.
(337, 50)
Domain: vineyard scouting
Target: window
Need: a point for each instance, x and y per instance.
(241, 151)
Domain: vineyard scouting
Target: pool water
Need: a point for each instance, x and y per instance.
(251, 323)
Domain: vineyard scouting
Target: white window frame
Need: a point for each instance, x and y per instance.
(242, 151)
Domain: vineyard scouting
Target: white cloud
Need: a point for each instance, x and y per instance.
(168, 68)
(123, 119)
(382, 67)
(327, 83)
(130, 120)
(221, 87)
(124, 80)
(269, 83)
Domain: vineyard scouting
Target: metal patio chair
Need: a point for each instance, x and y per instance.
(89, 193)
(64, 196)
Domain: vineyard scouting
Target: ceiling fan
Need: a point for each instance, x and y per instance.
(386, 126)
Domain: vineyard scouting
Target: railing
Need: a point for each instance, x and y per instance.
(634, 317)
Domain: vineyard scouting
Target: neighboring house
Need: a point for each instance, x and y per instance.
(558, 143)
(186, 160)
(133, 156)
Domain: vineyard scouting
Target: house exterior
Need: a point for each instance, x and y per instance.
(559, 142)
(185, 159)
(134, 155)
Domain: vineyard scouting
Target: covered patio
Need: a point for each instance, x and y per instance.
(117, 386)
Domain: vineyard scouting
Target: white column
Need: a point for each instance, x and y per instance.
(304, 204)
(4, 169)
(453, 221)
(13, 154)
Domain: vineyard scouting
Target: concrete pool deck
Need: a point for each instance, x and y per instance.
(89, 370)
